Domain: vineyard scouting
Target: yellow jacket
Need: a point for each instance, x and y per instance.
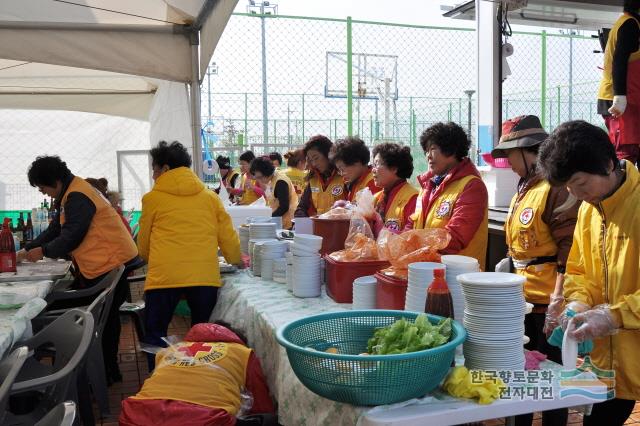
(604, 267)
(181, 227)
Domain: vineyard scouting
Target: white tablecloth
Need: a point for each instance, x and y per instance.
(48, 269)
(257, 308)
(15, 324)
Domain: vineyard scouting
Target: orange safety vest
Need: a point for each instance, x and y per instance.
(440, 214)
(528, 237)
(324, 194)
(107, 243)
(248, 196)
(399, 197)
(203, 373)
(274, 203)
(364, 181)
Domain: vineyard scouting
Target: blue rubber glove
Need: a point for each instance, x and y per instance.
(558, 334)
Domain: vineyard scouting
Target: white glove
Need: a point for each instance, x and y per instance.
(619, 105)
(504, 265)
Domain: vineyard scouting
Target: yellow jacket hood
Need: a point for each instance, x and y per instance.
(179, 181)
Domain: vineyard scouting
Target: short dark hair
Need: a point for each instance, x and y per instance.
(320, 143)
(247, 156)
(173, 155)
(294, 157)
(47, 171)
(275, 156)
(449, 137)
(350, 151)
(631, 6)
(573, 147)
(262, 165)
(396, 156)
(224, 163)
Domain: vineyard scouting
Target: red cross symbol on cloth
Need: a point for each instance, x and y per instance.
(194, 348)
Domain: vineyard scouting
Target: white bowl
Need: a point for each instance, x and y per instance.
(308, 240)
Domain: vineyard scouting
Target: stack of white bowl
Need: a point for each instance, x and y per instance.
(243, 233)
(494, 319)
(270, 250)
(306, 265)
(262, 230)
(289, 257)
(419, 279)
(280, 270)
(457, 265)
(364, 292)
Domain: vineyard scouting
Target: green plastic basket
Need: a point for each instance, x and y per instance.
(363, 379)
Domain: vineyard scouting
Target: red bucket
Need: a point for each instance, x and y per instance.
(333, 232)
(390, 292)
(340, 276)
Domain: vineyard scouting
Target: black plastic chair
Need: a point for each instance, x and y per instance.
(9, 369)
(135, 310)
(62, 415)
(94, 370)
(47, 385)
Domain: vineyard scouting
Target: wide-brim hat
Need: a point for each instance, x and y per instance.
(519, 132)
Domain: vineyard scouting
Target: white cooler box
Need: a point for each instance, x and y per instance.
(502, 185)
(239, 214)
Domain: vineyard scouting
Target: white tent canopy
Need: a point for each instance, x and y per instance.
(110, 56)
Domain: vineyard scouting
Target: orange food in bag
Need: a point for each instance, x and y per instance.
(416, 245)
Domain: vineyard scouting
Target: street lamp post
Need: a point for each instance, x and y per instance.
(263, 8)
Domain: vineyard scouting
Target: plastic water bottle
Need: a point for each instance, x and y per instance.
(16, 242)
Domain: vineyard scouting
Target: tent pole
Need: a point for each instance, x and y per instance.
(195, 106)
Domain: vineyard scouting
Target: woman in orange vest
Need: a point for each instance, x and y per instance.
(453, 196)
(539, 231)
(351, 157)
(247, 193)
(396, 202)
(324, 185)
(87, 228)
(279, 191)
(296, 169)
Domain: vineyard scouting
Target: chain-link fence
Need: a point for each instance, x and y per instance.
(404, 78)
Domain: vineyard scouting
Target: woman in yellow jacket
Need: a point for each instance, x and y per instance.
(602, 279)
(278, 189)
(539, 232)
(324, 185)
(181, 228)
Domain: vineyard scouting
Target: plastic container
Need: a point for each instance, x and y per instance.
(340, 276)
(363, 379)
(390, 292)
(333, 232)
